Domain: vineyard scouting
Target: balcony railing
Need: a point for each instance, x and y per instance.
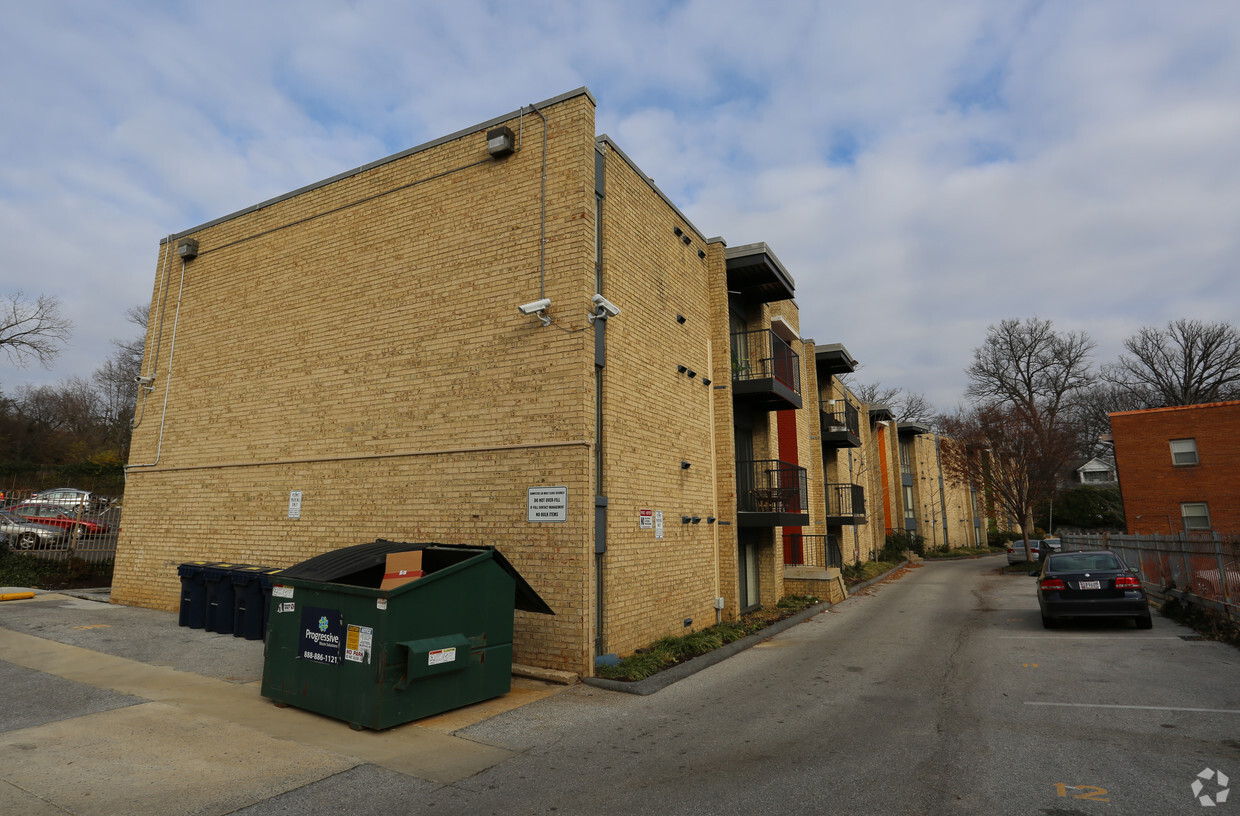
(812, 551)
(766, 370)
(841, 426)
(845, 504)
(772, 492)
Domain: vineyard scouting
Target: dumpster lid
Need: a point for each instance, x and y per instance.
(336, 564)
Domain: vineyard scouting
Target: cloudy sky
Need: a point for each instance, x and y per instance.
(923, 169)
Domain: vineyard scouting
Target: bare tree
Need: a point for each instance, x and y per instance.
(32, 329)
(1188, 363)
(908, 406)
(996, 450)
(1026, 383)
(1033, 368)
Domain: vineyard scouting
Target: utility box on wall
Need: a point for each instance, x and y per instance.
(339, 645)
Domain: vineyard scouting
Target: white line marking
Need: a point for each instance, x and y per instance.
(1140, 708)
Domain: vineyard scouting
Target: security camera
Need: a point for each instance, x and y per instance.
(604, 307)
(535, 307)
(141, 380)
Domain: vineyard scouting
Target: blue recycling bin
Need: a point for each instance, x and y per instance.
(221, 597)
(249, 608)
(193, 611)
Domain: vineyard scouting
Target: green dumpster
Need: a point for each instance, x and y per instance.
(340, 645)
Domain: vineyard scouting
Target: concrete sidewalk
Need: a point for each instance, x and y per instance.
(111, 709)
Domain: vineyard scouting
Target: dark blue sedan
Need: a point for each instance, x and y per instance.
(1090, 584)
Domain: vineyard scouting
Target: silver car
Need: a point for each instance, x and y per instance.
(27, 535)
(69, 497)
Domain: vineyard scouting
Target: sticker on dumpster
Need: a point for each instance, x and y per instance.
(322, 635)
(286, 607)
(381, 604)
(357, 643)
(438, 656)
(282, 591)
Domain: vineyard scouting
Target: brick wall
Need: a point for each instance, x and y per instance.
(359, 342)
(1153, 488)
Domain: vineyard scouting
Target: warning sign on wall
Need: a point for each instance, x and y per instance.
(547, 504)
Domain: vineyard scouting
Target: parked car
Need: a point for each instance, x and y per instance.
(1090, 584)
(1208, 584)
(69, 497)
(49, 514)
(1016, 549)
(28, 535)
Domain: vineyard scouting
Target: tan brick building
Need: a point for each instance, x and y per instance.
(348, 362)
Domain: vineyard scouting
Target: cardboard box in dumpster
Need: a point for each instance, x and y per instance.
(402, 568)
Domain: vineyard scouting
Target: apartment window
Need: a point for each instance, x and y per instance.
(1183, 451)
(910, 516)
(1196, 515)
(906, 457)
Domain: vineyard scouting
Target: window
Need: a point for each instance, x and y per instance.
(1196, 515)
(906, 457)
(910, 515)
(1183, 451)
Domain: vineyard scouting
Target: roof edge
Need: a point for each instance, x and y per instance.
(582, 91)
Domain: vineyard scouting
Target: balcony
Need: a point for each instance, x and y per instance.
(766, 372)
(771, 493)
(841, 426)
(845, 504)
(812, 551)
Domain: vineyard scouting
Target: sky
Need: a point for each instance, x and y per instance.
(923, 170)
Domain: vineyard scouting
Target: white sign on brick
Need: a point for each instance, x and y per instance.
(546, 504)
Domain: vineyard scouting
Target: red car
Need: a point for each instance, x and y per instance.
(55, 516)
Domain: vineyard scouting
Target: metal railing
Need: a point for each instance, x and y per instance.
(845, 500)
(813, 550)
(763, 354)
(1206, 566)
(842, 419)
(771, 486)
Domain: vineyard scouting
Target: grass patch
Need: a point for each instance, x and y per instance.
(27, 570)
(860, 573)
(669, 651)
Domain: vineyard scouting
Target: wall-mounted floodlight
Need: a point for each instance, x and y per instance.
(187, 249)
(537, 307)
(500, 142)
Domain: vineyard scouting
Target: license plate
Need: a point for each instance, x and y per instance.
(1089, 585)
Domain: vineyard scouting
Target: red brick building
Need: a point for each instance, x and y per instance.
(1179, 468)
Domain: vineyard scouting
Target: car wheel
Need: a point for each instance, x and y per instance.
(1048, 623)
(27, 541)
(1145, 622)
(79, 531)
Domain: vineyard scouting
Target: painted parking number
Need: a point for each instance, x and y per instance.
(1091, 792)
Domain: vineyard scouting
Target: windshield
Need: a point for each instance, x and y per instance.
(1084, 562)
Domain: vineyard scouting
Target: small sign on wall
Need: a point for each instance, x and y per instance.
(294, 504)
(658, 523)
(546, 504)
(646, 521)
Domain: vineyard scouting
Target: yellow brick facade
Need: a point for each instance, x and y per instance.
(358, 341)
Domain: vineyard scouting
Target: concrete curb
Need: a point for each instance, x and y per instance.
(680, 671)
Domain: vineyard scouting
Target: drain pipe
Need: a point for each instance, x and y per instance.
(145, 380)
(542, 238)
(172, 350)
